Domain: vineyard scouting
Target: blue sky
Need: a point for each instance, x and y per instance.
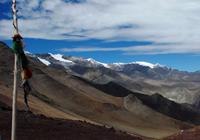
(110, 30)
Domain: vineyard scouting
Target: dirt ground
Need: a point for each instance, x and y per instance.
(31, 127)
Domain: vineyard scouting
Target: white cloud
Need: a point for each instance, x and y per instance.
(139, 50)
(160, 21)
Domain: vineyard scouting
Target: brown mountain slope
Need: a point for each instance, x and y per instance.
(32, 127)
(192, 134)
(60, 95)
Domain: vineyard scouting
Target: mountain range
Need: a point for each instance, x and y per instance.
(144, 77)
(143, 99)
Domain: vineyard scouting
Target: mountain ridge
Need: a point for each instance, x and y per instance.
(108, 65)
(145, 79)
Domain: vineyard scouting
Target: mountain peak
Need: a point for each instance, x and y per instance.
(147, 64)
(59, 57)
(142, 63)
(93, 61)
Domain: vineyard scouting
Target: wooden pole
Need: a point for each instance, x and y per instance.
(14, 105)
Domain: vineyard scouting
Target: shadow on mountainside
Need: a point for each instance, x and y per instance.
(156, 101)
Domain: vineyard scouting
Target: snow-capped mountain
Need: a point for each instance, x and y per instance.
(90, 62)
(142, 63)
(179, 86)
(132, 69)
(122, 66)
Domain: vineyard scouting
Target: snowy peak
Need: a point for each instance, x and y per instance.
(141, 63)
(44, 61)
(59, 57)
(146, 64)
(91, 60)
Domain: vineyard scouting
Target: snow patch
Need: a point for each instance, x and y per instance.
(142, 63)
(91, 60)
(146, 64)
(172, 99)
(59, 57)
(119, 64)
(44, 61)
(27, 52)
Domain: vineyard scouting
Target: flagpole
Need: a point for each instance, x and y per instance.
(14, 106)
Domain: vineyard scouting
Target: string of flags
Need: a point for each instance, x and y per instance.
(26, 73)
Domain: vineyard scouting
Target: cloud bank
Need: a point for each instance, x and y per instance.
(172, 22)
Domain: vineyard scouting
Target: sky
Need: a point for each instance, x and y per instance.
(156, 31)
